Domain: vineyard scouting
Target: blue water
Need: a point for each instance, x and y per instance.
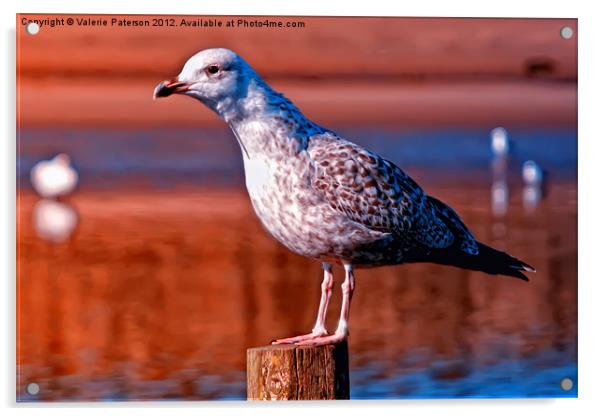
(538, 376)
(210, 156)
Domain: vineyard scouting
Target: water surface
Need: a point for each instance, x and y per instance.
(168, 277)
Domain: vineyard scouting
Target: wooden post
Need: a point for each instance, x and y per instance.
(287, 372)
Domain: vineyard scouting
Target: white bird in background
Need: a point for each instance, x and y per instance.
(55, 177)
(532, 178)
(532, 173)
(500, 145)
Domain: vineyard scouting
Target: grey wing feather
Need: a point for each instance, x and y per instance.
(374, 192)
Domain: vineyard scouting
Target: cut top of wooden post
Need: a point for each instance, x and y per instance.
(287, 372)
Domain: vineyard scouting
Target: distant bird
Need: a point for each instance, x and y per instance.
(533, 182)
(325, 197)
(500, 144)
(55, 177)
(532, 173)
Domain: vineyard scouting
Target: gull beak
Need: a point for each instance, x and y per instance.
(169, 87)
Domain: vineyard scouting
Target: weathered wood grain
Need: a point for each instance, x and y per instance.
(286, 372)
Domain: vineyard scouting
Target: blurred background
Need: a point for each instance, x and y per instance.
(144, 274)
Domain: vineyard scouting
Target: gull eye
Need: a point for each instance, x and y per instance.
(212, 69)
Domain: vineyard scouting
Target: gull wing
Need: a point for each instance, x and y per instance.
(374, 192)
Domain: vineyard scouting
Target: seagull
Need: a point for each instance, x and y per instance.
(532, 173)
(533, 180)
(325, 197)
(55, 177)
(500, 144)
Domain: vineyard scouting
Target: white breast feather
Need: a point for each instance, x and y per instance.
(257, 175)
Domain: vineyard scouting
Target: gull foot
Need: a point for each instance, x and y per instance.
(324, 340)
(299, 338)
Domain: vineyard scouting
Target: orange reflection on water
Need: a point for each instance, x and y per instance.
(159, 294)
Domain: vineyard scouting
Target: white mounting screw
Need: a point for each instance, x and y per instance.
(566, 32)
(32, 28)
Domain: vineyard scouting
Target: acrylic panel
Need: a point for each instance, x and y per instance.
(192, 188)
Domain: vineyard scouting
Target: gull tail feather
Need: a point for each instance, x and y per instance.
(489, 260)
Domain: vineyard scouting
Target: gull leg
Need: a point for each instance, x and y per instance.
(342, 329)
(319, 329)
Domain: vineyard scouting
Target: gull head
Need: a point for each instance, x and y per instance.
(216, 77)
